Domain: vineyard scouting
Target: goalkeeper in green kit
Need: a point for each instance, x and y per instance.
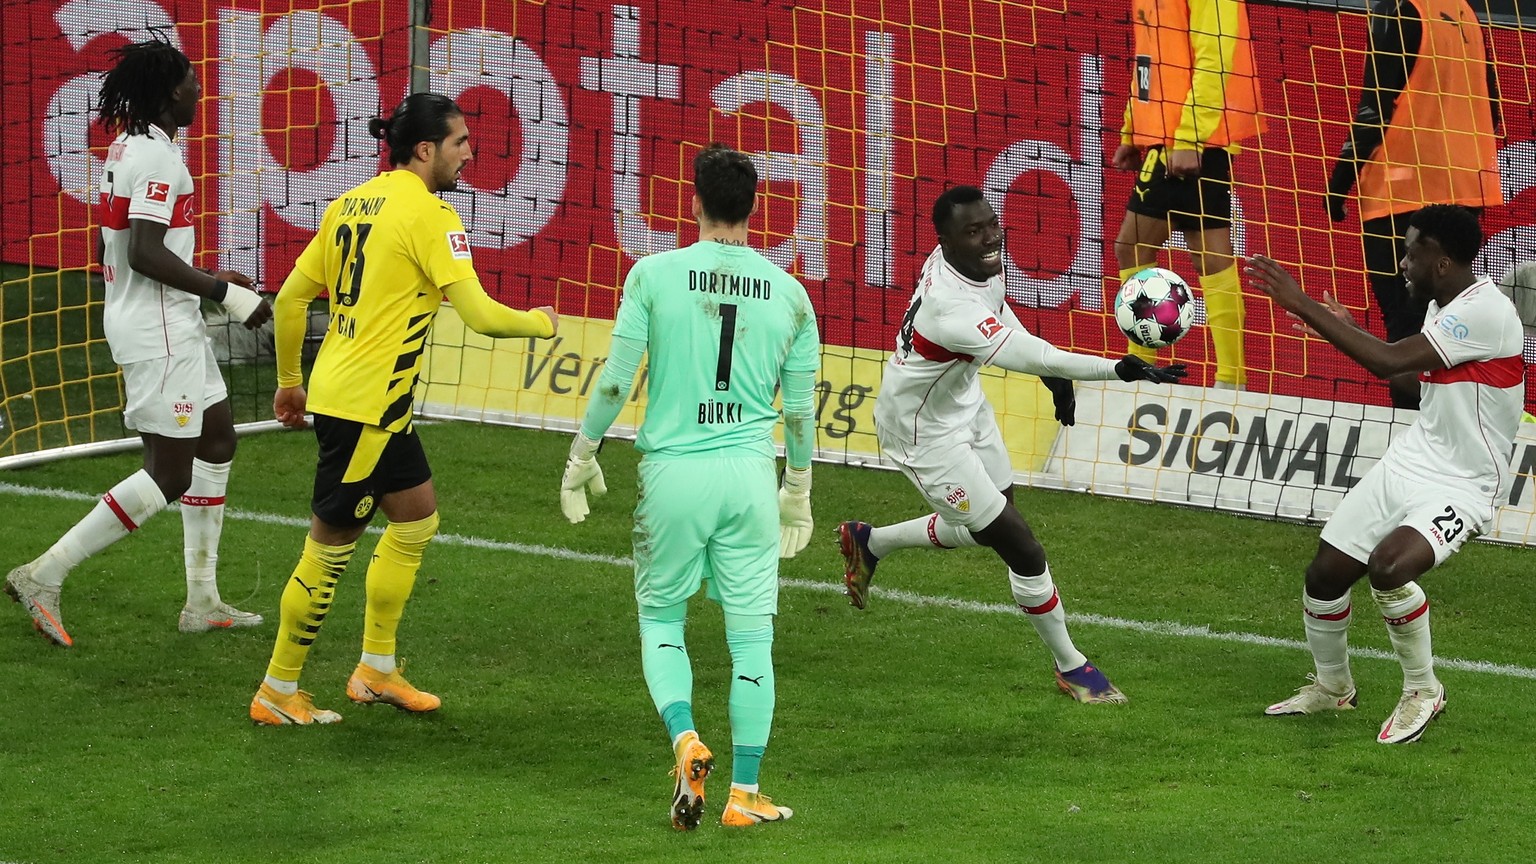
(726, 330)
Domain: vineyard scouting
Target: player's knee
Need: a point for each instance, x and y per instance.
(1390, 569)
(173, 481)
(217, 445)
(1125, 252)
(1323, 583)
(663, 614)
(759, 626)
(413, 537)
(1010, 537)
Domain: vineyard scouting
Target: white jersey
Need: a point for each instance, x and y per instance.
(145, 178)
(930, 389)
(1470, 411)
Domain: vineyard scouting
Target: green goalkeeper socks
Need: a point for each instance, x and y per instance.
(668, 672)
(750, 639)
(746, 764)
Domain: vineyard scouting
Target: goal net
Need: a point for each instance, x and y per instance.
(858, 113)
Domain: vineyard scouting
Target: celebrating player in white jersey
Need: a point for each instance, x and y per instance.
(176, 398)
(934, 422)
(1438, 484)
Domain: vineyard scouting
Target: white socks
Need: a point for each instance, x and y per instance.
(1037, 596)
(930, 530)
(202, 521)
(124, 508)
(287, 688)
(1327, 626)
(1407, 612)
(381, 662)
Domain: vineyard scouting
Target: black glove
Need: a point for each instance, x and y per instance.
(1064, 397)
(1336, 207)
(1341, 180)
(1133, 368)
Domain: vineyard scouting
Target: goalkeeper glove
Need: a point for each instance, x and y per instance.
(582, 473)
(1133, 368)
(794, 511)
(1064, 398)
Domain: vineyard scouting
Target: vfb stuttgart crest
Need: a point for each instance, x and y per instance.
(183, 410)
(957, 499)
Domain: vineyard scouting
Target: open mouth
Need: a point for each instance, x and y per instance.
(993, 257)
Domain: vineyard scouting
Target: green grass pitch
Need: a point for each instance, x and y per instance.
(926, 729)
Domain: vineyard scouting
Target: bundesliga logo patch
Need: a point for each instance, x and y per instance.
(458, 244)
(160, 192)
(990, 327)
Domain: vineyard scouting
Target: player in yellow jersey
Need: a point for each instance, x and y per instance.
(388, 252)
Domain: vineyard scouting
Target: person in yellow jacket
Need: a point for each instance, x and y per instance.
(1194, 98)
(388, 251)
(1425, 132)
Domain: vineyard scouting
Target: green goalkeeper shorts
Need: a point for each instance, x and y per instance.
(708, 519)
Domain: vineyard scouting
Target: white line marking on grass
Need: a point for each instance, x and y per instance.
(295, 522)
(1159, 628)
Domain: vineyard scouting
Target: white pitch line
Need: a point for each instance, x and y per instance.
(1159, 628)
(295, 522)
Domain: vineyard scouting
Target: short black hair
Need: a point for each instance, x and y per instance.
(726, 182)
(1454, 227)
(138, 88)
(419, 117)
(954, 196)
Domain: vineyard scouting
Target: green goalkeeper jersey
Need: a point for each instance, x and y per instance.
(722, 324)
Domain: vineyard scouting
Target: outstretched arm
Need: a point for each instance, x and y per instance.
(1382, 359)
(978, 334)
(489, 318)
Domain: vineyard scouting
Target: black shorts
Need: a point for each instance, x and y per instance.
(358, 465)
(1189, 203)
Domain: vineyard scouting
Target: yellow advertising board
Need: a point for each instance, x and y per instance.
(545, 383)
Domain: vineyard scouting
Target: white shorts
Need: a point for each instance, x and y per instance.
(962, 479)
(1384, 501)
(168, 395)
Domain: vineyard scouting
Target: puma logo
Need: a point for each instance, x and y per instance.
(678, 647)
(307, 590)
(757, 682)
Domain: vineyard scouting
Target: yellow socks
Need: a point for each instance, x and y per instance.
(390, 578)
(1224, 315)
(306, 600)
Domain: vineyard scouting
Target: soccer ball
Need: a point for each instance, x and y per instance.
(1155, 308)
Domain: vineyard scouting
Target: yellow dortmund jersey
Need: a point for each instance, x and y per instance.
(384, 251)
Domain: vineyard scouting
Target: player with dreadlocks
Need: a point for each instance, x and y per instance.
(176, 399)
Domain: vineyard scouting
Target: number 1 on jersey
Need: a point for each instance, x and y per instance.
(727, 344)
